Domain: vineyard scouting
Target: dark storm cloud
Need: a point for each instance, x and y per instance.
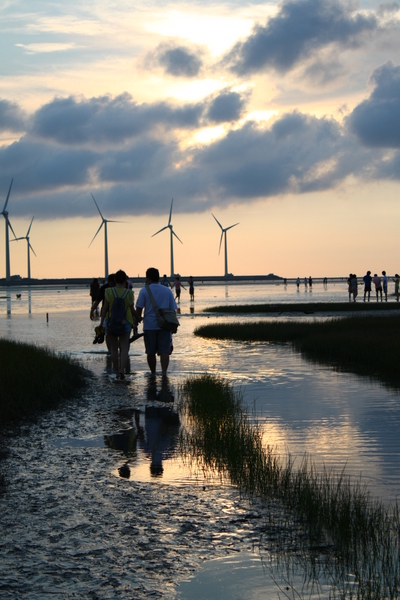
(376, 121)
(178, 61)
(227, 106)
(108, 120)
(295, 154)
(118, 120)
(301, 28)
(12, 118)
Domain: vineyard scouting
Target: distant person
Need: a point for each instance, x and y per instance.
(325, 282)
(94, 290)
(298, 283)
(305, 281)
(157, 341)
(367, 279)
(178, 285)
(354, 286)
(101, 294)
(349, 285)
(165, 281)
(118, 338)
(378, 286)
(396, 286)
(310, 281)
(385, 284)
(191, 289)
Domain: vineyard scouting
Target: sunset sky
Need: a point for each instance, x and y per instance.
(281, 116)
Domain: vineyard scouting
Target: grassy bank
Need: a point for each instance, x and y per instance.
(34, 379)
(365, 345)
(332, 524)
(305, 307)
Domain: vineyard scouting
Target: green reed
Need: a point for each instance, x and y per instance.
(340, 529)
(34, 379)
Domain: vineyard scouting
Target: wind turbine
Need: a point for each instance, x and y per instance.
(103, 222)
(8, 226)
(26, 237)
(223, 234)
(172, 233)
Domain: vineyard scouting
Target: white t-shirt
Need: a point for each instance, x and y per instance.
(163, 297)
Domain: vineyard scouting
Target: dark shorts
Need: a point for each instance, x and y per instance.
(367, 288)
(157, 341)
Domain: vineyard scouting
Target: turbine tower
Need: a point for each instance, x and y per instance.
(172, 233)
(103, 222)
(223, 234)
(8, 226)
(29, 245)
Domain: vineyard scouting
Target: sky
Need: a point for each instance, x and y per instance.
(283, 117)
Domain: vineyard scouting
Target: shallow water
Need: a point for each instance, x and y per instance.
(99, 504)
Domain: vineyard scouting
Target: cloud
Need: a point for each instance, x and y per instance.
(179, 61)
(227, 106)
(376, 121)
(296, 153)
(300, 29)
(12, 118)
(109, 120)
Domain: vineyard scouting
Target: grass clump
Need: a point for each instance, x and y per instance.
(353, 538)
(33, 379)
(305, 307)
(367, 345)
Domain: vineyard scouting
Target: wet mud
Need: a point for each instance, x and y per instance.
(76, 524)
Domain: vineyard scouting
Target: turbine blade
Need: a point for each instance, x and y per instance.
(8, 195)
(230, 226)
(176, 236)
(170, 212)
(166, 227)
(30, 246)
(18, 239)
(220, 243)
(217, 221)
(10, 226)
(30, 226)
(97, 207)
(96, 233)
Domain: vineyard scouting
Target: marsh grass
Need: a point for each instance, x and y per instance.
(366, 345)
(333, 525)
(304, 307)
(33, 379)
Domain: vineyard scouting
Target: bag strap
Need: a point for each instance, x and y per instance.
(150, 293)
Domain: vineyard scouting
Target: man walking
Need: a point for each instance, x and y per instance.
(157, 341)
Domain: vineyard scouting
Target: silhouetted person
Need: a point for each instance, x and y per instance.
(191, 289)
(396, 286)
(94, 290)
(157, 341)
(378, 286)
(367, 279)
(385, 284)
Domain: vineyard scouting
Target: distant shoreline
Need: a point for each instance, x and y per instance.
(86, 281)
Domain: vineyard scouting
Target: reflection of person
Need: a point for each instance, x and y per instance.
(120, 341)
(161, 435)
(157, 341)
(367, 279)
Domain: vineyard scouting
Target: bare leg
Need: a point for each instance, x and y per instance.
(164, 359)
(124, 347)
(112, 343)
(151, 361)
